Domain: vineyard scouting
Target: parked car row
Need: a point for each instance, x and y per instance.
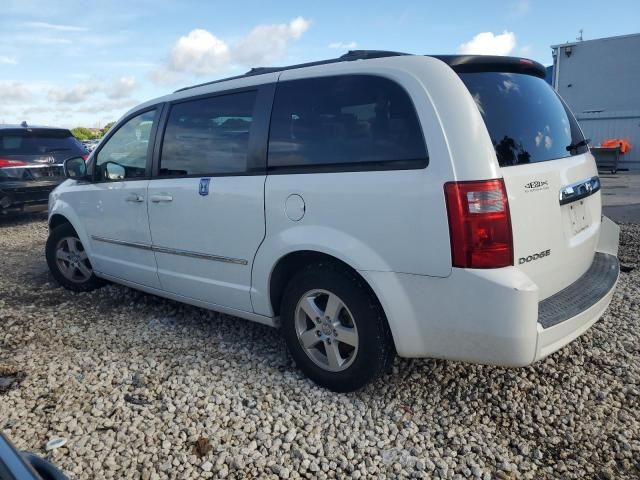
(90, 145)
(31, 159)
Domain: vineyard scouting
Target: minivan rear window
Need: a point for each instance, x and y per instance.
(345, 122)
(38, 142)
(526, 119)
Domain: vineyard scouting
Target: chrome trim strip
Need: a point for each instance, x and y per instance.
(579, 190)
(205, 256)
(172, 251)
(141, 246)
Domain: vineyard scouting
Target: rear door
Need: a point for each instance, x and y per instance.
(206, 208)
(550, 176)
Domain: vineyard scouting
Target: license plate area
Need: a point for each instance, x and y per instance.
(578, 217)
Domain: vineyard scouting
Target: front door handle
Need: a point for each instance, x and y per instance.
(161, 198)
(135, 198)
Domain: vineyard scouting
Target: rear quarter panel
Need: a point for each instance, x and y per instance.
(389, 221)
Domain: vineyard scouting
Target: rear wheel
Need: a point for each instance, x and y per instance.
(68, 260)
(335, 328)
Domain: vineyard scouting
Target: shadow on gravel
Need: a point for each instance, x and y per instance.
(15, 219)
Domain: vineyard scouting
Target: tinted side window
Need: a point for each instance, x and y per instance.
(348, 120)
(526, 120)
(125, 153)
(208, 136)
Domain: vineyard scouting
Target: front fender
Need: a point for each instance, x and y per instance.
(58, 206)
(329, 241)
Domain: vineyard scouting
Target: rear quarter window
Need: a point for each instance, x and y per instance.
(526, 119)
(346, 122)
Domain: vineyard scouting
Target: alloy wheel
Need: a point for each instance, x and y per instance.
(72, 260)
(326, 330)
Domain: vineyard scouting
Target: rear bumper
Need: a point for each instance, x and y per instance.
(494, 316)
(570, 312)
(25, 194)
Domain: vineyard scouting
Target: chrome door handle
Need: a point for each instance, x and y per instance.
(161, 198)
(135, 198)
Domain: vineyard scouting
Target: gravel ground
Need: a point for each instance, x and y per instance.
(143, 387)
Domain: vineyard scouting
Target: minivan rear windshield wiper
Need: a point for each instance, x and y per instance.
(581, 143)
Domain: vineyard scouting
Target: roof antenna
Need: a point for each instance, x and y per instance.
(24, 124)
(579, 38)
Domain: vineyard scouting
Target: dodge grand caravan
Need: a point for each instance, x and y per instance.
(374, 204)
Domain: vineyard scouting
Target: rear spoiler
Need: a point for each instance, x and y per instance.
(492, 63)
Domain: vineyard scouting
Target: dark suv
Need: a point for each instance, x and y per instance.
(31, 164)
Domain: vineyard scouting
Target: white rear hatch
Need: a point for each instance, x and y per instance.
(541, 152)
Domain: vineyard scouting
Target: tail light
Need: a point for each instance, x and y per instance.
(85, 157)
(479, 224)
(11, 163)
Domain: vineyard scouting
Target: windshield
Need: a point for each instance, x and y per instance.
(38, 142)
(525, 118)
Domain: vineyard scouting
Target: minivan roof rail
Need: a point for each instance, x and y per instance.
(459, 63)
(350, 56)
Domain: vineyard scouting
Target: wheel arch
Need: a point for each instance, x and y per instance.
(292, 262)
(58, 219)
(62, 214)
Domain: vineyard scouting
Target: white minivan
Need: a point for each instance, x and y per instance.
(373, 204)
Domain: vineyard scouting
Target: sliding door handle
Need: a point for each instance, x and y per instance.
(161, 198)
(135, 198)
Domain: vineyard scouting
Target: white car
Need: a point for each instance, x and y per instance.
(374, 204)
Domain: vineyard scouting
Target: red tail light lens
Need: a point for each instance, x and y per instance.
(11, 163)
(479, 224)
(85, 157)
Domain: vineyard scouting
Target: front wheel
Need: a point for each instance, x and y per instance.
(68, 260)
(335, 328)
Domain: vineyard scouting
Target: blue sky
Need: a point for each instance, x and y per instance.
(70, 63)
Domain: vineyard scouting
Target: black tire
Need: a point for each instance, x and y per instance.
(375, 351)
(58, 234)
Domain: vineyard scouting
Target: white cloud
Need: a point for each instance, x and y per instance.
(487, 43)
(343, 45)
(163, 76)
(123, 87)
(200, 52)
(267, 43)
(55, 27)
(108, 106)
(120, 88)
(76, 94)
(4, 60)
(14, 92)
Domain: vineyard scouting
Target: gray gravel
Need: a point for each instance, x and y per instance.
(141, 387)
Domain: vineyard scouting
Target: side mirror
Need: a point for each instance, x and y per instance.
(114, 171)
(75, 167)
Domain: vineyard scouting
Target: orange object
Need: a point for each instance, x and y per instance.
(624, 145)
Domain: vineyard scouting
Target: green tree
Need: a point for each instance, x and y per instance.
(106, 128)
(82, 133)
